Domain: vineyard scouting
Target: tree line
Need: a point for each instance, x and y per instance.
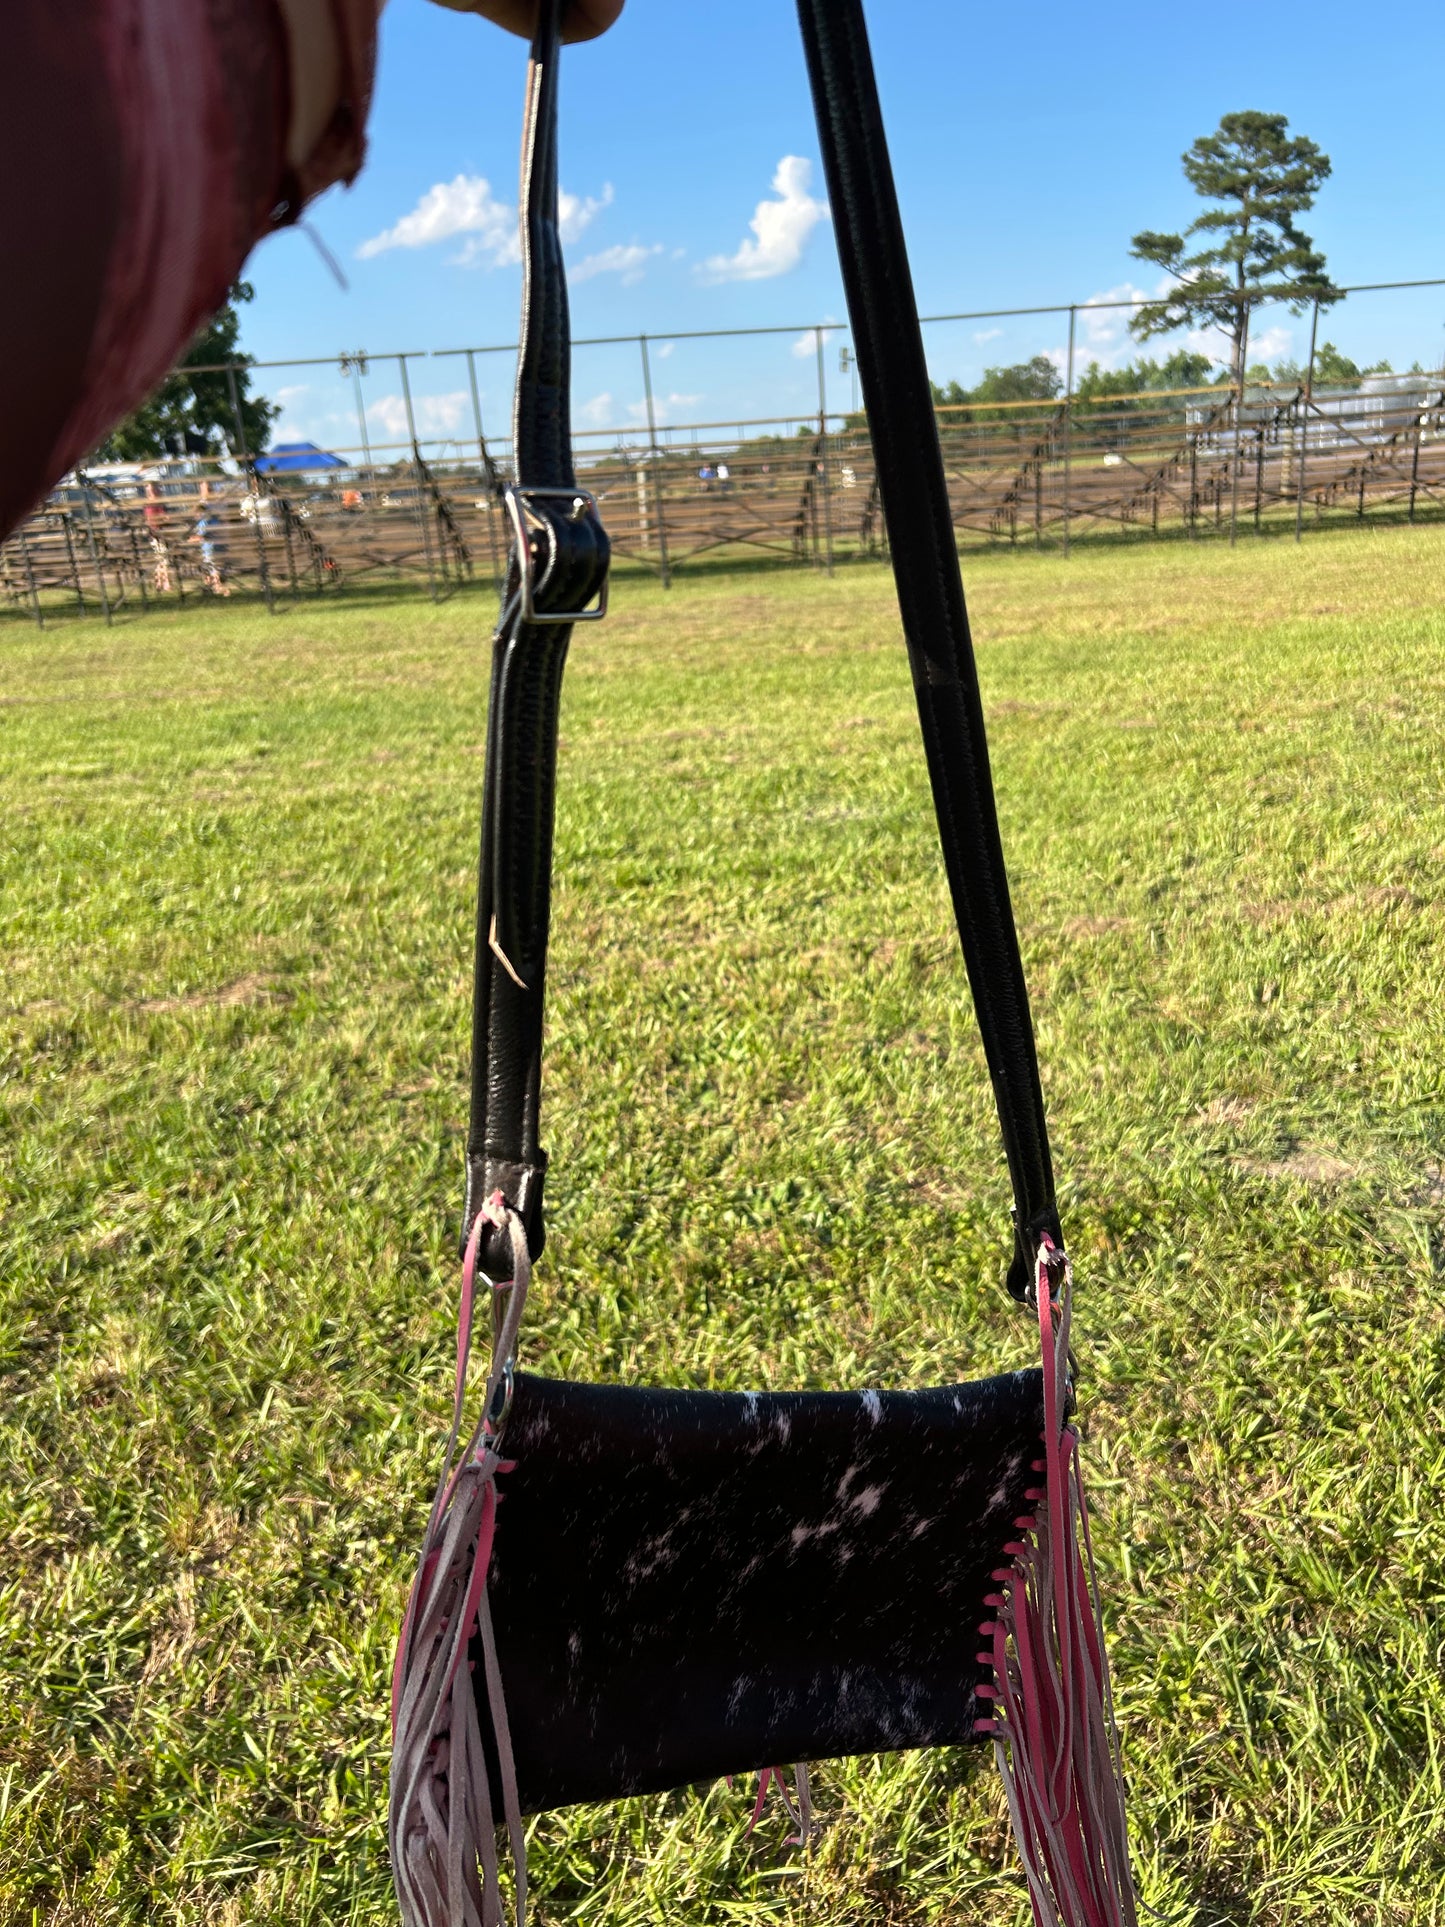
(1040, 379)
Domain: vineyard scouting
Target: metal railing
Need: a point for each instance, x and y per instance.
(796, 485)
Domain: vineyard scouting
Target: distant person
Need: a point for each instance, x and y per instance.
(704, 476)
(264, 511)
(724, 476)
(205, 535)
(156, 517)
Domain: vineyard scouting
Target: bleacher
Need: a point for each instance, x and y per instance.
(1190, 460)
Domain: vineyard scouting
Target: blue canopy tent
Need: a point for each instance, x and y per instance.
(289, 457)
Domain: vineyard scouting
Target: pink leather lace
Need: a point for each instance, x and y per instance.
(443, 1829)
(1053, 1719)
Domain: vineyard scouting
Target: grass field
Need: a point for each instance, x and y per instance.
(237, 874)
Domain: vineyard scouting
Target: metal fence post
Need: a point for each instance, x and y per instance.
(1039, 446)
(823, 452)
(30, 579)
(355, 366)
(1306, 410)
(1235, 453)
(290, 549)
(489, 471)
(656, 455)
(1069, 429)
(255, 486)
(94, 551)
(67, 524)
(137, 564)
(421, 514)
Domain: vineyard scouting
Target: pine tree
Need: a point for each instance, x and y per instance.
(1261, 176)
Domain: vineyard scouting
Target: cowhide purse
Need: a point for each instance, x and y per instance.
(683, 1585)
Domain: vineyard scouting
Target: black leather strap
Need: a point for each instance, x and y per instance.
(557, 567)
(559, 563)
(904, 432)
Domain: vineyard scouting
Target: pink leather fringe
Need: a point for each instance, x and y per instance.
(443, 1831)
(1053, 1724)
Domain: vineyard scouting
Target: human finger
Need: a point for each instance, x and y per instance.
(581, 19)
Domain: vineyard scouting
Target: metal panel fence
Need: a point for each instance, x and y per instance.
(424, 505)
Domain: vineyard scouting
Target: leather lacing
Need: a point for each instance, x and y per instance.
(1053, 1716)
(443, 1822)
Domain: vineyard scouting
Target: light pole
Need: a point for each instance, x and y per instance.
(848, 365)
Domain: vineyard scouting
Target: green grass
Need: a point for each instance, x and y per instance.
(235, 902)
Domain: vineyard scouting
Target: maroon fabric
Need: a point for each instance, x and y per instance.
(142, 155)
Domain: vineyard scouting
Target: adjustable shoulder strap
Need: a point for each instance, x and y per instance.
(911, 482)
(558, 566)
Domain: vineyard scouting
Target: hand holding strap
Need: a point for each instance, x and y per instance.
(557, 567)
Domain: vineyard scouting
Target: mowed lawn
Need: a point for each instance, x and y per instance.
(238, 863)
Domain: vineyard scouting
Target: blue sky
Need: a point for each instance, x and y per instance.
(1029, 145)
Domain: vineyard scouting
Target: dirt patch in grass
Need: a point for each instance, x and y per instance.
(1303, 1167)
(1096, 926)
(257, 988)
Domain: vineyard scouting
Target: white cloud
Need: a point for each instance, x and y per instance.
(664, 407)
(1103, 330)
(982, 335)
(288, 425)
(1103, 334)
(435, 414)
(574, 214)
(388, 412)
(597, 412)
(665, 350)
(780, 228)
(806, 345)
(1270, 344)
(467, 206)
(627, 261)
(1213, 342)
(487, 251)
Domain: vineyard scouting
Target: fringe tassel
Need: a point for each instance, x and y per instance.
(799, 1810)
(1053, 1725)
(442, 1828)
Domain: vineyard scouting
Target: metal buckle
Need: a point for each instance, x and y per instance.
(583, 503)
(501, 1407)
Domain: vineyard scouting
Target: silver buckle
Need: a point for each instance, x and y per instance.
(583, 503)
(501, 1407)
